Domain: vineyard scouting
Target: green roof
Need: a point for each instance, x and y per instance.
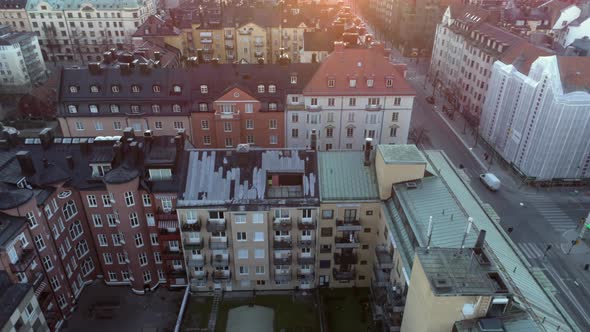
(401, 154)
(344, 177)
(508, 257)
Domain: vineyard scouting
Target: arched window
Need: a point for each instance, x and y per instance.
(70, 210)
(75, 230)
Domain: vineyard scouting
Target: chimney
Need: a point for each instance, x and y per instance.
(94, 68)
(368, 149)
(157, 55)
(481, 237)
(25, 160)
(144, 68)
(70, 161)
(128, 133)
(117, 154)
(179, 143)
(260, 61)
(314, 140)
(46, 137)
(107, 57)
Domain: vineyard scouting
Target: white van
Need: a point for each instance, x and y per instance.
(490, 180)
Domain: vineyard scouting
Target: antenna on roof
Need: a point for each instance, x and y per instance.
(467, 230)
(429, 233)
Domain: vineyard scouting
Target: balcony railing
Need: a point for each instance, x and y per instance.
(193, 226)
(345, 258)
(309, 276)
(206, 41)
(282, 260)
(313, 107)
(282, 243)
(370, 107)
(306, 241)
(229, 46)
(344, 242)
(221, 275)
(24, 261)
(345, 225)
(306, 223)
(191, 243)
(198, 261)
(166, 216)
(283, 277)
(229, 36)
(384, 258)
(305, 260)
(199, 275)
(208, 51)
(259, 43)
(258, 54)
(343, 275)
(282, 224)
(218, 243)
(220, 260)
(166, 235)
(216, 225)
(282, 271)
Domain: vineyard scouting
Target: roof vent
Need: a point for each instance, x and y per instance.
(243, 148)
(441, 284)
(411, 185)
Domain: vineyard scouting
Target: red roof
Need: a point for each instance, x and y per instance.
(361, 64)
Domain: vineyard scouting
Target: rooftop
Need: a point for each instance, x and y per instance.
(319, 41)
(523, 55)
(452, 272)
(582, 43)
(513, 322)
(77, 4)
(401, 154)
(13, 4)
(230, 177)
(343, 176)
(574, 72)
(10, 226)
(11, 295)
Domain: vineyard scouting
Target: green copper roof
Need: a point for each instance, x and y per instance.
(401, 154)
(344, 177)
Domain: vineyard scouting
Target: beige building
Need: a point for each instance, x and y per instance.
(13, 14)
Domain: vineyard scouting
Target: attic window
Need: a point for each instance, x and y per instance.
(72, 109)
(331, 83)
(156, 88)
(99, 170)
(176, 108)
(94, 89)
(352, 83)
(73, 89)
(389, 82)
(160, 174)
(293, 79)
(176, 89)
(115, 88)
(272, 88)
(204, 89)
(260, 88)
(135, 88)
(370, 83)
(272, 106)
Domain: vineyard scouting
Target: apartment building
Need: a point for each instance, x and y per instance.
(251, 223)
(21, 61)
(355, 93)
(537, 117)
(13, 13)
(20, 309)
(465, 48)
(81, 31)
(218, 105)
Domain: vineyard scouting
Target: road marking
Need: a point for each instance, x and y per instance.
(565, 290)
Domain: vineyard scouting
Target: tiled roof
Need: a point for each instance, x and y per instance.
(11, 295)
(361, 64)
(343, 177)
(319, 41)
(522, 56)
(532, 14)
(555, 7)
(500, 35)
(75, 4)
(10, 226)
(400, 154)
(230, 178)
(574, 72)
(13, 4)
(156, 26)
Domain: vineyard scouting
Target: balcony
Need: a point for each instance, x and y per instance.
(343, 275)
(281, 224)
(166, 235)
(283, 277)
(171, 254)
(193, 243)
(308, 276)
(206, 41)
(167, 216)
(181, 273)
(306, 241)
(38, 281)
(208, 51)
(196, 261)
(306, 224)
(370, 107)
(219, 260)
(231, 57)
(259, 54)
(313, 107)
(221, 275)
(44, 299)
(345, 259)
(215, 225)
(192, 225)
(25, 259)
(384, 258)
(229, 46)
(199, 275)
(229, 36)
(282, 242)
(381, 277)
(282, 271)
(218, 242)
(282, 259)
(258, 43)
(306, 259)
(345, 242)
(348, 225)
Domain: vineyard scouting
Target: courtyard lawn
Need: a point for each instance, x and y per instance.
(197, 312)
(347, 309)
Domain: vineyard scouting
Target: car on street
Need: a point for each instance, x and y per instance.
(490, 180)
(430, 99)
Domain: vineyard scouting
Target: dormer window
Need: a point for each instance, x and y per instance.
(160, 174)
(135, 88)
(99, 170)
(352, 83)
(389, 82)
(155, 108)
(331, 83)
(272, 106)
(293, 79)
(260, 88)
(156, 88)
(115, 88)
(176, 108)
(73, 89)
(370, 83)
(177, 89)
(204, 89)
(93, 108)
(272, 88)
(203, 107)
(72, 109)
(114, 108)
(94, 89)
(134, 108)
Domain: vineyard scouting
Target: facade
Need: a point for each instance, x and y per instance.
(537, 119)
(21, 61)
(251, 223)
(317, 46)
(218, 105)
(356, 93)
(81, 31)
(20, 309)
(13, 13)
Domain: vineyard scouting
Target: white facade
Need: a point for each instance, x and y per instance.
(78, 30)
(16, 18)
(566, 16)
(573, 32)
(21, 61)
(534, 124)
(342, 124)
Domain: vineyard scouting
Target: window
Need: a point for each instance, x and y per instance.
(249, 124)
(389, 82)
(156, 108)
(75, 230)
(92, 201)
(135, 88)
(329, 132)
(54, 283)
(106, 200)
(93, 108)
(143, 259)
(47, 263)
(204, 89)
(114, 108)
(349, 132)
(205, 124)
(116, 239)
(138, 240)
(272, 88)
(117, 125)
(94, 89)
(249, 108)
(259, 253)
(176, 89)
(240, 218)
(370, 83)
(352, 83)
(125, 275)
(154, 239)
(241, 236)
(147, 276)
(39, 243)
(272, 124)
(81, 249)
(393, 131)
(242, 253)
(98, 126)
(79, 125)
(260, 88)
(102, 240)
(294, 132)
(69, 210)
(108, 258)
(178, 125)
(176, 108)
(206, 140)
(258, 236)
(158, 125)
(293, 79)
(331, 83)
(352, 102)
(272, 106)
(373, 101)
(394, 116)
(112, 276)
(129, 200)
(327, 214)
(73, 89)
(227, 127)
(257, 218)
(259, 269)
(62, 302)
(31, 220)
(156, 88)
(331, 101)
(157, 257)
(274, 139)
(133, 219)
(115, 88)
(397, 101)
(314, 101)
(294, 99)
(121, 258)
(203, 107)
(135, 109)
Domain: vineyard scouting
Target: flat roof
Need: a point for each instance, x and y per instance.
(344, 177)
(401, 154)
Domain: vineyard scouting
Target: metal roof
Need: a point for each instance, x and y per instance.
(401, 154)
(344, 177)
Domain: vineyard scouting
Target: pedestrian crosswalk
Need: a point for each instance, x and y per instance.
(557, 218)
(533, 250)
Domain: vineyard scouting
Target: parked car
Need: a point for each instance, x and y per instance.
(490, 180)
(430, 99)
